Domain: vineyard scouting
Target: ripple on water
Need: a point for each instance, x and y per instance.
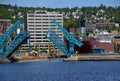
(57, 70)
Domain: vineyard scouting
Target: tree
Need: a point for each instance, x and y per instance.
(70, 23)
(15, 9)
(44, 50)
(102, 7)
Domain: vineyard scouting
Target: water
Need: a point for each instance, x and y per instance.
(57, 70)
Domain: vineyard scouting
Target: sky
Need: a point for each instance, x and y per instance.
(61, 3)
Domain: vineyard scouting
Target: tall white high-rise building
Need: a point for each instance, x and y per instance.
(38, 25)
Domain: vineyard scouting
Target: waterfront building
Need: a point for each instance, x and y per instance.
(74, 30)
(102, 23)
(38, 25)
(104, 37)
(105, 23)
(4, 25)
(117, 43)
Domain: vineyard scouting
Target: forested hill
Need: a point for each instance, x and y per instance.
(90, 13)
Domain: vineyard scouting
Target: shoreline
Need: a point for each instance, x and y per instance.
(82, 57)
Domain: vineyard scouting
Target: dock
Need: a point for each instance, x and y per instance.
(94, 57)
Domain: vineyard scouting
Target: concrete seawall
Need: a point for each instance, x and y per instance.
(94, 57)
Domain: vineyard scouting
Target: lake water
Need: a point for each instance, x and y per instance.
(58, 70)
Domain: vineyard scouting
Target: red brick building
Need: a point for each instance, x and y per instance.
(89, 44)
(105, 23)
(4, 25)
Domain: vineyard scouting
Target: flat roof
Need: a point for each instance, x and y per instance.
(6, 20)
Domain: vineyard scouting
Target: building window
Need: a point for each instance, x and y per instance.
(30, 22)
(37, 16)
(37, 19)
(31, 25)
(37, 22)
(31, 28)
(30, 15)
(31, 19)
(44, 16)
(59, 16)
(44, 19)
